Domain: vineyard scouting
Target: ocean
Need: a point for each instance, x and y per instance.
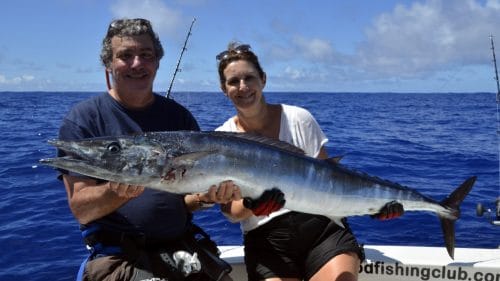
(429, 142)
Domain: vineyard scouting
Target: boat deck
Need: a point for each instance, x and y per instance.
(407, 263)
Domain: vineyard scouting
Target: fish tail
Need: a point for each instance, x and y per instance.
(452, 202)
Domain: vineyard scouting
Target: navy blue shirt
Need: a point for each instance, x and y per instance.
(154, 213)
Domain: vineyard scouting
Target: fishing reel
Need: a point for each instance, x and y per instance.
(481, 210)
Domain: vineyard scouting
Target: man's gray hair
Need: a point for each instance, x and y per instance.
(128, 27)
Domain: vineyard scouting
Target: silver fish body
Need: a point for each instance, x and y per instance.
(189, 162)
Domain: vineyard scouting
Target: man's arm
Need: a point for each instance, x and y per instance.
(89, 200)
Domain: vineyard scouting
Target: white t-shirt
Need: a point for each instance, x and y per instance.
(298, 127)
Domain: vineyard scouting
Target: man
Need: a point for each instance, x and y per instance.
(134, 231)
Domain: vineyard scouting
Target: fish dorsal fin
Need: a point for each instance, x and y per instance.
(335, 159)
(263, 140)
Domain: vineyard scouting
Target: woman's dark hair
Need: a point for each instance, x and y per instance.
(236, 51)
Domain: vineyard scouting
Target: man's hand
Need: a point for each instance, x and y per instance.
(270, 201)
(126, 190)
(390, 210)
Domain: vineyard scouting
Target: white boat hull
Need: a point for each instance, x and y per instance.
(407, 263)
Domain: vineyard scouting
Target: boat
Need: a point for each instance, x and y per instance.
(395, 263)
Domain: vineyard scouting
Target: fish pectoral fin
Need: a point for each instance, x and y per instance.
(188, 159)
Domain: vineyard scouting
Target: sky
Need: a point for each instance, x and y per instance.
(303, 45)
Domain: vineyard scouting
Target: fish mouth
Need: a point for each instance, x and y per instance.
(85, 158)
(67, 147)
(80, 166)
(68, 162)
(77, 166)
(74, 157)
(78, 150)
(63, 162)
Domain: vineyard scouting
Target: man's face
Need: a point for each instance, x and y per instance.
(134, 63)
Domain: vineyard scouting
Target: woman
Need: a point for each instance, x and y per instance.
(284, 245)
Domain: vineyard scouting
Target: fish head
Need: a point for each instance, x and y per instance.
(133, 160)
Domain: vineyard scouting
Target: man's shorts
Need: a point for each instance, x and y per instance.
(296, 245)
(141, 259)
(123, 267)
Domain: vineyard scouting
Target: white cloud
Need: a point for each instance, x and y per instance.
(289, 76)
(314, 49)
(293, 74)
(165, 20)
(299, 48)
(429, 36)
(28, 77)
(495, 4)
(399, 49)
(15, 80)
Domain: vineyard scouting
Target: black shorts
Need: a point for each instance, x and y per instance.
(296, 245)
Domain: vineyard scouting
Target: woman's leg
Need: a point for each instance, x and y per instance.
(343, 267)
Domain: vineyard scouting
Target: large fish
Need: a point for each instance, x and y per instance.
(189, 162)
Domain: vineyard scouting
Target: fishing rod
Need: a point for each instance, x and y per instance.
(497, 219)
(496, 70)
(177, 69)
(480, 210)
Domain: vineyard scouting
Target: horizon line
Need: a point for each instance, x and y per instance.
(277, 92)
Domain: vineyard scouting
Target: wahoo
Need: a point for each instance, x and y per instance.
(189, 162)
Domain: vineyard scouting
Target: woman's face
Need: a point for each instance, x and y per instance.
(243, 85)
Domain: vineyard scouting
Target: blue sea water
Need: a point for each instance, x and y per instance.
(430, 142)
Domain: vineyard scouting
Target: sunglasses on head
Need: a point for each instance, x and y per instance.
(237, 50)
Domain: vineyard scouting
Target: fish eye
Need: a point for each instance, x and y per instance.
(114, 147)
